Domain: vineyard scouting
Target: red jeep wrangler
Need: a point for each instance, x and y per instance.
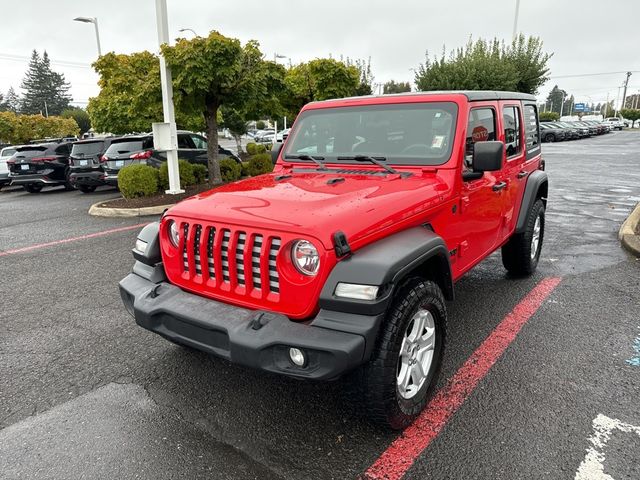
(343, 256)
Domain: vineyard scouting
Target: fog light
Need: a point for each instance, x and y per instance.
(359, 292)
(141, 246)
(297, 357)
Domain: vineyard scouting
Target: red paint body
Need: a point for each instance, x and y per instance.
(472, 219)
(398, 458)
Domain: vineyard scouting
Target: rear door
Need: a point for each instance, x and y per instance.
(201, 148)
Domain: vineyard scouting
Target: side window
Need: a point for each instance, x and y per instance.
(199, 142)
(531, 130)
(63, 149)
(512, 138)
(481, 127)
(184, 142)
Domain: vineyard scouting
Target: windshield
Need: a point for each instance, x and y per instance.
(405, 134)
(29, 152)
(7, 152)
(87, 149)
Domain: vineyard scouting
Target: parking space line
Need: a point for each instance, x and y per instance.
(69, 240)
(403, 451)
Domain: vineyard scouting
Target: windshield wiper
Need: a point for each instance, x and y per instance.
(365, 158)
(317, 160)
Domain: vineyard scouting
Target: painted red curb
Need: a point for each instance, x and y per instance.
(69, 240)
(400, 455)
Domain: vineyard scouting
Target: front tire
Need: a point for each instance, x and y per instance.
(87, 188)
(397, 382)
(520, 255)
(550, 137)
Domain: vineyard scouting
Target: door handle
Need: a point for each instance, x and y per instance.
(522, 174)
(499, 186)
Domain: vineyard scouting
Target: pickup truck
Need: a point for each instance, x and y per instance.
(342, 259)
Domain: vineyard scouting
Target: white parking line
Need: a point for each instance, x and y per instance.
(592, 467)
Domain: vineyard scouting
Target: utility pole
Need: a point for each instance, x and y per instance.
(515, 20)
(624, 94)
(169, 142)
(561, 106)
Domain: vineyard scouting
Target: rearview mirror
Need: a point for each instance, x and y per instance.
(275, 151)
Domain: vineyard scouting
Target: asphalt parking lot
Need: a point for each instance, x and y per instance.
(85, 393)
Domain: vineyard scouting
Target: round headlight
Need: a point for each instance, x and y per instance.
(174, 233)
(305, 257)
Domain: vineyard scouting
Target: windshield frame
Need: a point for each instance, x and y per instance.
(447, 105)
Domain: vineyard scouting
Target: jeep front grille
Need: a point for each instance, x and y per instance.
(225, 258)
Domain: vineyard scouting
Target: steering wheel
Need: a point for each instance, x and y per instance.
(424, 148)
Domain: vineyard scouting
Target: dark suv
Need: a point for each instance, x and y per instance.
(40, 165)
(84, 163)
(139, 149)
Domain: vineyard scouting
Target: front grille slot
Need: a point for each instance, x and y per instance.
(236, 259)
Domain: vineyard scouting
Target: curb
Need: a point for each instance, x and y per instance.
(98, 211)
(627, 234)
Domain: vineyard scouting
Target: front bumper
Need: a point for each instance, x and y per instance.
(333, 342)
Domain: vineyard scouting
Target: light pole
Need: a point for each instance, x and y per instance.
(515, 20)
(276, 56)
(93, 20)
(188, 30)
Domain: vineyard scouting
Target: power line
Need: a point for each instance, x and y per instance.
(62, 63)
(591, 74)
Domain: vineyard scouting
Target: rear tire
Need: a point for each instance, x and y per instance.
(33, 187)
(521, 253)
(398, 380)
(87, 188)
(550, 137)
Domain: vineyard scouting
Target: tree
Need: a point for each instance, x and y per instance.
(632, 114)
(215, 71)
(80, 116)
(130, 98)
(46, 91)
(549, 116)
(392, 87)
(365, 82)
(555, 99)
(487, 65)
(11, 102)
(236, 123)
(17, 129)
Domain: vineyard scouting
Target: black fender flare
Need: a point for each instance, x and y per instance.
(386, 263)
(536, 181)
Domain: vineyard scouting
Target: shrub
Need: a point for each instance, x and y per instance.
(138, 181)
(260, 148)
(259, 164)
(251, 148)
(230, 169)
(187, 176)
(549, 116)
(245, 169)
(200, 173)
(260, 125)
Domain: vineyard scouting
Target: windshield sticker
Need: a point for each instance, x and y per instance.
(438, 141)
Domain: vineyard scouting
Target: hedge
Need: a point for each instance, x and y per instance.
(138, 181)
(187, 176)
(230, 170)
(255, 148)
(200, 172)
(259, 164)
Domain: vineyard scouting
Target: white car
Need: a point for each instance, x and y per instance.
(282, 135)
(615, 122)
(5, 154)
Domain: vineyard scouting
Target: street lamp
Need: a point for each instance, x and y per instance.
(93, 20)
(515, 19)
(276, 56)
(188, 30)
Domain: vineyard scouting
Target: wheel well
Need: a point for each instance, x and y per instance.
(542, 193)
(436, 268)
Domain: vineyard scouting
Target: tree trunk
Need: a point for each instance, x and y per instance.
(238, 139)
(211, 118)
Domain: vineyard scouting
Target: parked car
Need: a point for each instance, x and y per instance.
(5, 154)
(284, 272)
(577, 131)
(551, 133)
(85, 166)
(282, 135)
(41, 165)
(264, 136)
(135, 149)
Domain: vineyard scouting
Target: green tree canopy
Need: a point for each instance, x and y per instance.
(215, 71)
(44, 89)
(130, 99)
(632, 114)
(549, 116)
(487, 65)
(17, 129)
(10, 102)
(80, 116)
(396, 87)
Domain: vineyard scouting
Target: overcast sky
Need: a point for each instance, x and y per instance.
(585, 36)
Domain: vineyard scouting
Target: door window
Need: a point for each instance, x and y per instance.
(184, 142)
(480, 128)
(531, 130)
(512, 136)
(199, 142)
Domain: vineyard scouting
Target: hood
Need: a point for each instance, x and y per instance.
(315, 204)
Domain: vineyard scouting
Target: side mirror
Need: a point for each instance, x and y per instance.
(487, 157)
(275, 151)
